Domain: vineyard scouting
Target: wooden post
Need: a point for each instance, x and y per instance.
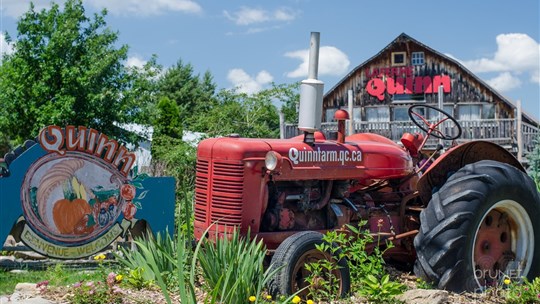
(519, 132)
(351, 115)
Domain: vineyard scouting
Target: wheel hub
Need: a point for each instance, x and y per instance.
(493, 246)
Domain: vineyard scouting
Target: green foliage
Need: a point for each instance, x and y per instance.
(252, 116)
(380, 290)
(322, 282)
(66, 68)
(158, 249)
(192, 94)
(136, 279)
(523, 292)
(289, 95)
(232, 267)
(534, 163)
(366, 268)
(168, 121)
(421, 284)
(57, 275)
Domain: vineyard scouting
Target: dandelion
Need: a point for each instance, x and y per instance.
(100, 257)
(119, 278)
(252, 299)
(507, 281)
(268, 297)
(310, 302)
(296, 300)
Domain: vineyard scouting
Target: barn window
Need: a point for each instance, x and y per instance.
(469, 112)
(377, 114)
(399, 58)
(417, 58)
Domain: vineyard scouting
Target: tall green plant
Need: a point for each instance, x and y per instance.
(233, 267)
(160, 249)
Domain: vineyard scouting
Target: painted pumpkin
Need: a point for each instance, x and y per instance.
(67, 214)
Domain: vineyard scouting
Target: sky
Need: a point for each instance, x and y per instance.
(250, 44)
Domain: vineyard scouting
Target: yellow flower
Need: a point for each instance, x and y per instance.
(119, 278)
(99, 257)
(296, 300)
(269, 297)
(507, 281)
(310, 302)
(252, 299)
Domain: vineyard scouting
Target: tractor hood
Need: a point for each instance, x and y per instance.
(360, 156)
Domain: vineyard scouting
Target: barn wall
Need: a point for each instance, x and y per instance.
(464, 87)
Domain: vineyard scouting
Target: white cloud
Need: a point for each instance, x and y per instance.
(505, 82)
(516, 53)
(332, 61)
(147, 8)
(5, 47)
(247, 16)
(135, 61)
(248, 84)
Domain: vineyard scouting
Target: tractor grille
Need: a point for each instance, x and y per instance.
(218, 192)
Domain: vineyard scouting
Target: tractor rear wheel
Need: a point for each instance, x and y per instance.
(290, 259)
(480, 228)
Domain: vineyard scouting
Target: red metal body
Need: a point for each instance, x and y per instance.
(306, 191)
(322, 185)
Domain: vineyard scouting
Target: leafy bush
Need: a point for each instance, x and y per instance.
(366, 267)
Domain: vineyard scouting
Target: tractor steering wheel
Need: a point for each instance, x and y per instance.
(433, 128)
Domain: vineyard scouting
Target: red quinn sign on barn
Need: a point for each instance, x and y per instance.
(401, 80)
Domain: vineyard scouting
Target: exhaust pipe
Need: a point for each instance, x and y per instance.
(311, 94)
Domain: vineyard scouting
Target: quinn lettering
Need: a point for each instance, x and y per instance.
(54, 140)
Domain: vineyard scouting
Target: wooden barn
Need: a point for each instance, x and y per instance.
(407, 72)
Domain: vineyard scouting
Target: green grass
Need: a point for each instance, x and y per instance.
(56, 275)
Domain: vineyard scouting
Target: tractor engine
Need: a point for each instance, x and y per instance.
(274, 188)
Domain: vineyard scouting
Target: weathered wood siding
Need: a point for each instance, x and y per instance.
(465, 87)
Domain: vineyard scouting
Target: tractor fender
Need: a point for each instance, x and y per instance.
(456, 158)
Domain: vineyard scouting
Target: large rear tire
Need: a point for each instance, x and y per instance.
(481, 227)
(290, 258)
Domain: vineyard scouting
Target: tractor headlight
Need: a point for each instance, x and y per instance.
(272, 161)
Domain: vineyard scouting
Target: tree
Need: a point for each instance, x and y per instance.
(65, 69)
(252, 116)
(192, 94)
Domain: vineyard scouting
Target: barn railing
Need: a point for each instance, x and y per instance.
(500, 131)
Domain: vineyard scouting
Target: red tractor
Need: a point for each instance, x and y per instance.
(465, 218)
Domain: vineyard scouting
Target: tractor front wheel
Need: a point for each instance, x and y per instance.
(290, 259)
(480, 228)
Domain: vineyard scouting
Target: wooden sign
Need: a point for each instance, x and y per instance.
(76, 194)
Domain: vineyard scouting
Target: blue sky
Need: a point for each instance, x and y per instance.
(249, 44)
